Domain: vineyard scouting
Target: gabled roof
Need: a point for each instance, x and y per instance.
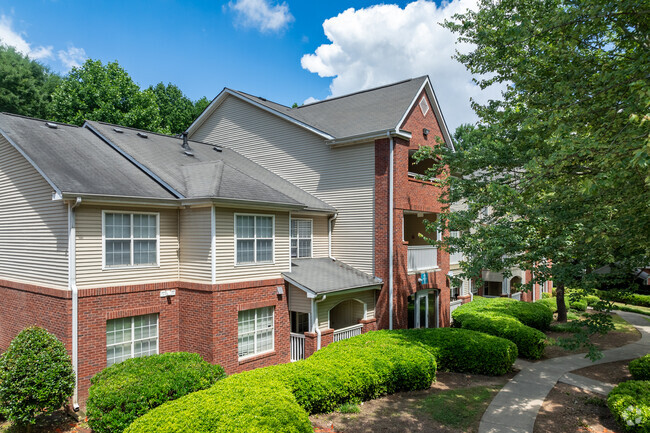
(209, 172)
(324, 275)
(74, 160)
(362, 113)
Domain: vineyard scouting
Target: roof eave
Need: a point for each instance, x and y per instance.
(228, 92)
(369, 137)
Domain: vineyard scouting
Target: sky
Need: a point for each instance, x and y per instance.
(286, 51)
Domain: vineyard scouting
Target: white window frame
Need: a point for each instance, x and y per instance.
(256, 263)
(133, 340)
(131, 266)
(455, 258)
(424, 105)
(311, 238)
(255, 332)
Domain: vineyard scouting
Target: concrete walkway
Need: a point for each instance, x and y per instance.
(515, 407)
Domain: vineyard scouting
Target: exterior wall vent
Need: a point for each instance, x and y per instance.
(51, 125)
(424, 106)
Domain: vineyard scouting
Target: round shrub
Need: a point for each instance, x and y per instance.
(546, 295)
(578, 305)
(591, 300)
(247, 402)
(123, 392)
(36, 376)
(630, 404)
(550, 303)
(464, 350)
(640, 368)
(510, 319)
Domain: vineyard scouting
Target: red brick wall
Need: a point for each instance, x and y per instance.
(409, 194)
(200, 318)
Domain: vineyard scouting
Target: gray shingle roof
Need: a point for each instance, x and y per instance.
(372, 110)
(77, 161)
(207, 174)
(325, 275)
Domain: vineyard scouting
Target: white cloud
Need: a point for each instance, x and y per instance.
(310, 100)
(262, 15)
(385, 43)
(73, 57)
(9, 37)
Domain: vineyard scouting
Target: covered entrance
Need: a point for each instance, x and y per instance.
(330, 300)
(424, 309)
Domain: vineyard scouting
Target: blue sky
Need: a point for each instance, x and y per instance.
(279, 50)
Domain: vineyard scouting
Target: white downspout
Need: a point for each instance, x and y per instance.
(72, 283)
(314, 312)
(290, 256)
(390, 233)
(329, 235)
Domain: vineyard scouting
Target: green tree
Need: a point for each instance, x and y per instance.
(176, 110)
(104, 93)
(200, 105)
(36, 376)
(25, 85)
(556, 175)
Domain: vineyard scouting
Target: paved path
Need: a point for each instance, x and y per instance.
(515, 407)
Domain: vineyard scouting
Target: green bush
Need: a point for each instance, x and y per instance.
(279, 398)
(578, 305)
(250, 402)
(464, 350)
(591, 300)
(36, 376)
(625, 297)
(123, 392)
(550, 303)
(630, 404)
(546, 295)
(640, 368)
(513, 320)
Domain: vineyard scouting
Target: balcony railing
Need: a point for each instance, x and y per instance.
(452, 306)
(516, 296)
(297, 347)
(422, 257)
(349, 332)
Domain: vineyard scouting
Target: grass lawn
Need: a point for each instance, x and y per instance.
(632, 308)
(459, 408)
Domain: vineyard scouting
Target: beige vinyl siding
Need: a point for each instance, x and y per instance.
(196, 258)
(320, 247)
(89, 250)
(226, 270)
(367, 297)
(298, 300)
(342, 177)
(33, 227)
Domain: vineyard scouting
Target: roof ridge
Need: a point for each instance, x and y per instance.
(358, 92)
(177, 137)
(258, 97)
(22, 116)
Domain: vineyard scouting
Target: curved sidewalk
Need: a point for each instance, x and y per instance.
(515, 407)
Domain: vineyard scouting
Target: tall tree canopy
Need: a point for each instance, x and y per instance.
(556, 175)
(177, 111)
(104, 93)
(25, 85)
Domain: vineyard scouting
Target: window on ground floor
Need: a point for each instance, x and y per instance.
(255, 331)
(131, 337)
(299, 322)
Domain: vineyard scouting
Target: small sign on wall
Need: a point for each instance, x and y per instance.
(165, 293)
(424, 278)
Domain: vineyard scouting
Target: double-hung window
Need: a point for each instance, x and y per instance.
(457, 256)
(130, 239)
(301, 238)
(255, 329)
(131, 337)
(254, 239)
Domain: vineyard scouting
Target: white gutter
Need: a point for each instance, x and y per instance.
(329, 235)
(390, 233)
(213, 244)
(72, 283)
(290, 258)
(369, 136)
(314, 312)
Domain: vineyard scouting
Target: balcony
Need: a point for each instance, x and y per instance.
(422, 258)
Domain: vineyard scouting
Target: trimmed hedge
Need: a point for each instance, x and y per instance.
(578, 305)
(630, 404)
(510, 319)
(550, 303)
(466, 351)
(625, 297)
(279, 397)
(640, 368)
(591, 300)
(123, 392)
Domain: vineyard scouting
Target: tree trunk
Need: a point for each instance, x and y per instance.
(561, 305)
